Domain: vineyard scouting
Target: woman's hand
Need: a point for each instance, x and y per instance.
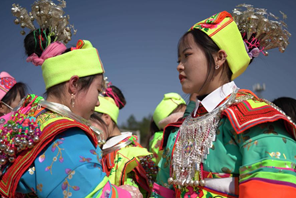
(135, 192)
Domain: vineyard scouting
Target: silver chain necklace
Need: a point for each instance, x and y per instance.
(196, 137)
(60, 109)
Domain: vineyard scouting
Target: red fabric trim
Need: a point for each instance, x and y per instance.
(236, 180)
(140, 173)
(141, 177)
(122, 177)
(221, 16)
(10, 179)
(220, 28)
(243, 117)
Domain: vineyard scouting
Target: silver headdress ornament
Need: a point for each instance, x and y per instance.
(48, 16)
(260, 29)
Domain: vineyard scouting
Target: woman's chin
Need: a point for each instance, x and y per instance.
(186, 90)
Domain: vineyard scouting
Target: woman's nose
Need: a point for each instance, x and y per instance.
(180, 67)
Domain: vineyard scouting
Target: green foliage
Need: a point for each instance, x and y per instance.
(143, 126)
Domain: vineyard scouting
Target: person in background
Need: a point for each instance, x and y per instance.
(288, 105)
(11, 93)
(170, 109)
(124, 160)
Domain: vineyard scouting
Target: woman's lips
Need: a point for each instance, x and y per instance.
(181, 77)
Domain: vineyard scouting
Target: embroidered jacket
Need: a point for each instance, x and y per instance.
(252, 155)
(65, 163)
(129, 164)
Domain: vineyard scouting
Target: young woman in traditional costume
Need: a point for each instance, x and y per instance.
(11, 93)
(233, 144)
(124, 160)
(170, 109)
(48, 146)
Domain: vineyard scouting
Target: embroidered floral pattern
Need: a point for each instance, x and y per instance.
(55, 158)
(249, 143)
(209, 23)
(274, 154)
(39, 187)
(99, 155)
(7, 83)
(167, 157)
(83, 159)
(270, 130)
(66, 187)
(107, 194)
(226, 170)
(47, 116)
(190, 192)
(238, 138)
(32, 170)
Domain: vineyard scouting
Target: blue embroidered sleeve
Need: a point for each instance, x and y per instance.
(69, 167)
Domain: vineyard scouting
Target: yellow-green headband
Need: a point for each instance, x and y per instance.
(224, 32)
(108, 106)
(82, 61)
(168, 104)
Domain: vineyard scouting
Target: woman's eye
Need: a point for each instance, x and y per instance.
(186, 55)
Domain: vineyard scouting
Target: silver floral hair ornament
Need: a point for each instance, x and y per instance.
(48, 15)
(261, 31)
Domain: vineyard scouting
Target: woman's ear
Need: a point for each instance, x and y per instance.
(73, 85)
(2, 109)
(107, 119)
(220, 58)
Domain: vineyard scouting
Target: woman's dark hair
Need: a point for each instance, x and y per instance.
(120, 96)
(209, 47)
(178, 108)
(96, 116)
(288, 105)
(10, 96)
(83, 84)
(36, 41)
(152, 130)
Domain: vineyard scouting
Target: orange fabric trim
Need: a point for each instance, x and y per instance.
(108, 162)
(114, 192)
(221, 27)
(10, 179)
(255, 188)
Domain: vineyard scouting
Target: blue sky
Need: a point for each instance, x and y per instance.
(137, 41)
